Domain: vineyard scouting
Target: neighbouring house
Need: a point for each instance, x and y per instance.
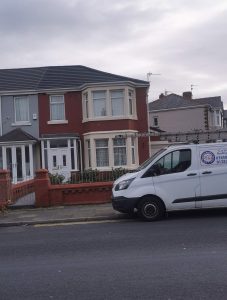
(225, 119)
(174, 113)
(70, 118)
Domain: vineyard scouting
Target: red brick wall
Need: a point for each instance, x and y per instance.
(73, 112)
(67, 194)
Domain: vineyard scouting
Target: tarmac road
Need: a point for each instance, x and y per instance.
(182, 257)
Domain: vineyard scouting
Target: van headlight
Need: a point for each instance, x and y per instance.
(123, 185)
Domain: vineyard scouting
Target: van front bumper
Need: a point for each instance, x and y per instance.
(124, 204)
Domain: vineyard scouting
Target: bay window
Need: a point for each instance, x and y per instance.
(107, 150)
(109, 103)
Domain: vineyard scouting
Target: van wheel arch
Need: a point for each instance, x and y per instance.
(151, 208)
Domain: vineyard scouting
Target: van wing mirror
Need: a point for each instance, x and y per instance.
(152, 171)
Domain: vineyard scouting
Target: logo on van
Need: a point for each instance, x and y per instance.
(207, 157)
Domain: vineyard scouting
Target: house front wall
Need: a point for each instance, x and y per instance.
(75, 122)
(8, 115)
(179, 119)
(20, 157)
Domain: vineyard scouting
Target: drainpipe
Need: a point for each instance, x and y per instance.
(0, 115)
(81, 163)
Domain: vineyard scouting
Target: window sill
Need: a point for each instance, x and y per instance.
(21, 123)
(109, 118)
(54, 122)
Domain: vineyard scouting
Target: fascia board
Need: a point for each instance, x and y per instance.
(18, 142)
(71, 89)
(179, 108)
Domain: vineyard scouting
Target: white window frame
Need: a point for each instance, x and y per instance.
(110, 135)
(112, 99)
(131, 101)
(115, 147)
(126, 114)
(19, 122)
(100, 148)
(57, 121)
(104, 99)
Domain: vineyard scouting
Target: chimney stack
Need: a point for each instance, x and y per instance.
(187, 95)
(161, 96)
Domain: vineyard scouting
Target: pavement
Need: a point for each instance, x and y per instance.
(60, 214)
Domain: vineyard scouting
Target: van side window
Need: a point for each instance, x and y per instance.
(173, 162)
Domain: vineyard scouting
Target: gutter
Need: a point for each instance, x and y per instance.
(73, 89)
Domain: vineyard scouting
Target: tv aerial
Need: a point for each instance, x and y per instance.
(149, 74)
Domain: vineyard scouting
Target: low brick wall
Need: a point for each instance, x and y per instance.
(68, 194)
(52, 195)
(5, 188)
(84, 193)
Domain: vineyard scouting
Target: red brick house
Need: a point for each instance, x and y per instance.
(82, 115)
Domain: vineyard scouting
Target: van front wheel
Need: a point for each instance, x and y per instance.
(151, 209)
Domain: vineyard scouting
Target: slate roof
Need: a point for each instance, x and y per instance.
(43, 78)
(175, 101)
(17, 135)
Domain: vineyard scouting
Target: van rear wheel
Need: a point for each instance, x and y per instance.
(151, 209)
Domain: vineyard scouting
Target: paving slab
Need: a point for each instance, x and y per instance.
(60, 214)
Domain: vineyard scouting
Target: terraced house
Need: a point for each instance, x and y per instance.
(69, 118)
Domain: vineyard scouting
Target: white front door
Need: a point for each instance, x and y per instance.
(60, 162)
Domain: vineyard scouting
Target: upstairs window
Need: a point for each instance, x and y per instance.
(57, 108)
(99, 103)
(130, 101)
(117, 102)
(21, 105)
(109, 103)
(85, 98)
(155, 122)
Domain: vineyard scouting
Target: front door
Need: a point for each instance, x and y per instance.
(59, 162)
(19, 161)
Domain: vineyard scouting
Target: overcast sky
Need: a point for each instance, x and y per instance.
(183, 40)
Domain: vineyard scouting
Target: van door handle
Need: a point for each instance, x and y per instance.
(207, 172)
(192, 174)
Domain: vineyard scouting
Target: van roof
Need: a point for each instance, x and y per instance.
(177, 145)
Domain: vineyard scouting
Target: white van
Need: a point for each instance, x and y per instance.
(180, 177)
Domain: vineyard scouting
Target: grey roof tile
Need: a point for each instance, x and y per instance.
(17, 135)
(174, 101)
(57, 77)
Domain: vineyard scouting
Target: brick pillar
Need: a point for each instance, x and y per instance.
(5, 187)
(42, 184)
